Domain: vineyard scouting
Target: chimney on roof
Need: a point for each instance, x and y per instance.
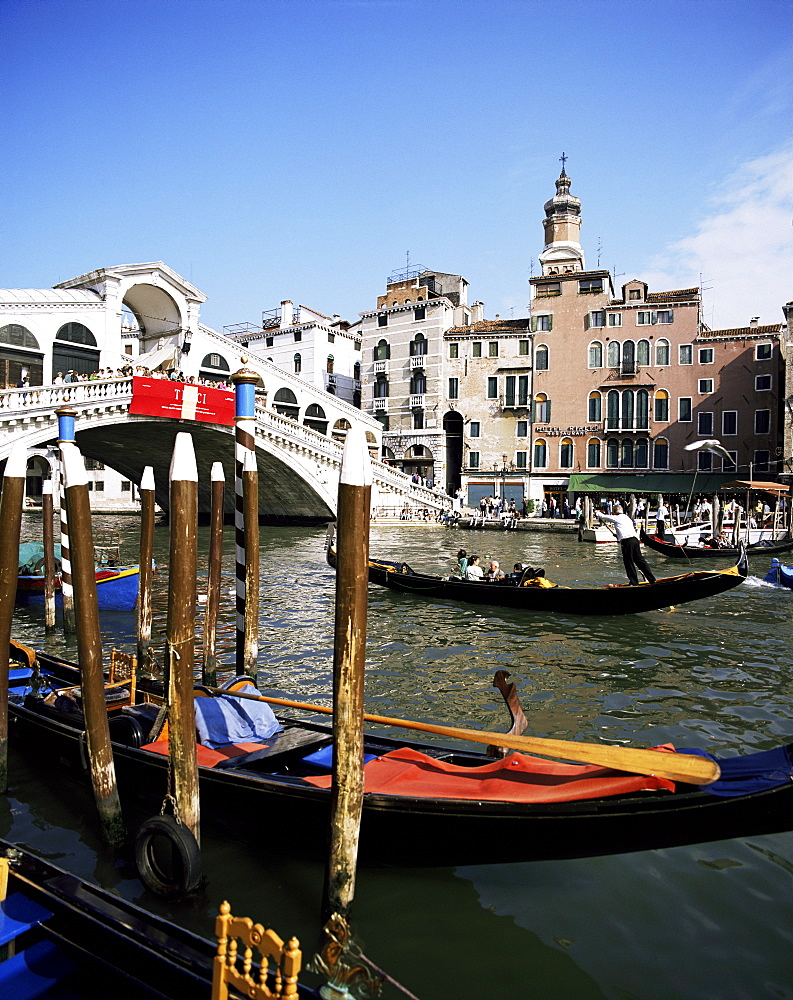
(477, 312)
(287, 317)
(498, 316)
(754, 321)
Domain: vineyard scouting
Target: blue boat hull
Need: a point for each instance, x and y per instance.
(115, 590)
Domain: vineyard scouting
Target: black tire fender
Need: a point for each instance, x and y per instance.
(167, 857)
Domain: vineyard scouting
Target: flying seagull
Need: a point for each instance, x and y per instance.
(711, 445)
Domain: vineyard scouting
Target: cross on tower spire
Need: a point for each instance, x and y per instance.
(563, 159)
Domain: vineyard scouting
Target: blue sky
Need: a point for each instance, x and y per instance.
(271, 150)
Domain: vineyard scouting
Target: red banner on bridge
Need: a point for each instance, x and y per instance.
(160, 397)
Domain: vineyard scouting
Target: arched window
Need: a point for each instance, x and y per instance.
(340, 429)
(76, 333)
(627, 410)
(215, 361)
(595, 354)
(613, 354)
(660, 453)
(613, 410)
(661, 406)
(595, 408)
(329, 365)
(540, 454)
(418, 384)
(612, 453)
(315, 418)
(629, 357)
(662, 352)
(418, 346)
(285, 403)
(542, 408)
(566, 453)
(381, 387)
(382, 351)
(298, 364)
(18, 336)
(626, 457)
(641, 454)
(541, 358)
(643, 353)
(642, 410)
(593, 454)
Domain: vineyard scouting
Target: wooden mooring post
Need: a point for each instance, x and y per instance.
(10, 530)
(145, 649)
(48, 541)
(89, 644)
(210, 667)
(180, 631)
(66, 416)
(245, 526)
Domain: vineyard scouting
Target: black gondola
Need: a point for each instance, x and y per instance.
(65, 937)
(614, 599)
(676, 551)
(434, 805)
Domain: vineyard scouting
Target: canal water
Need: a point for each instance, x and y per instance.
(710, 921)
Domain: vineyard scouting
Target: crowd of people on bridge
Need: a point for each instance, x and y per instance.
(72, 377)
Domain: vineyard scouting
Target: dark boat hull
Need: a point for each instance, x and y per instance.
(613, 600)
(675, 551)
(267, 803)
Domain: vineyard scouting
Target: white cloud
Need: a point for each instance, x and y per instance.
(742, 248)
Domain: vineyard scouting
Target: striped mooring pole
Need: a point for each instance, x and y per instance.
(66, 416)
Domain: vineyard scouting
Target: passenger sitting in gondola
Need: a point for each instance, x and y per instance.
(474, 571)
(495, 574)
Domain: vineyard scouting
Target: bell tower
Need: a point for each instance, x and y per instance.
(562, 253)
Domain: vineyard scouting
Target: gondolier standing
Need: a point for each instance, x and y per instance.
(629, 543)
(660, 519)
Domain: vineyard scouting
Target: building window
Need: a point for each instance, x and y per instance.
(597, 318)
(613, 354)
(763, 352)
(590, 286)
(473, 459)
(762, 421)
(509, 390)
(627, 410)
(269, 341)
(329, 364)
(644, 318)
(665, 316)
(643, 353)
(298, 336)
(612, 453)
(492, 349)
(628, 366)
(704, 461)
(492, 387)
(418, 384)
(381, 387)
(540, 454)
(454, 351)
(523, 390)
(705, 386)
(729, 422)
(643, 410)
(331, 338)
(476, 349)
(382, 419)
(641, 454)
(356, 371)
(595, 354)
(595, 408)
(541, 358)
(634, 294)
(762, 382)
(543, 323)
(684, 409)
(662, 353)
(454, 388)
(420, 313)
(706, 355)
(126, 486)
(615, 319)
(685, 354)
(730, 465)
(382, 319)
(298, 364)
(761, 461)
(593, 454)
(613, 410)
(626, 454)
(566, 453)
(418, 346)
(542, 408)
(705, 424)
(418, 420)
(661, 406)
(660, 453)
(382, 351)
(523, 348)
(99, 486)
(549, 288)
(475, 429)
(92, 465)
(522, 429)
(521, 458)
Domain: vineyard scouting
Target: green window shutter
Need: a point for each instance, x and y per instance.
(534, 324)
(550, 322)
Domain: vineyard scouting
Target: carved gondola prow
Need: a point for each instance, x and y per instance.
(510, 696)
(287, 957)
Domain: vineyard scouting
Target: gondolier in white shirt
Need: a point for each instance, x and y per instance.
(632, 557)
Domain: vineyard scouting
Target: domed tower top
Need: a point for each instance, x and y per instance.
(562, 224)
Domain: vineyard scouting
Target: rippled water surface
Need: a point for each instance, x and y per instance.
(714, 920)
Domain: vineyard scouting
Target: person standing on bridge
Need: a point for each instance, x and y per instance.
(632, 557)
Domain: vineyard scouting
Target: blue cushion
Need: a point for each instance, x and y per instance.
(227, 719)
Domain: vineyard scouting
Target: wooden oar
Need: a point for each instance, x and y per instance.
(659, 763)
